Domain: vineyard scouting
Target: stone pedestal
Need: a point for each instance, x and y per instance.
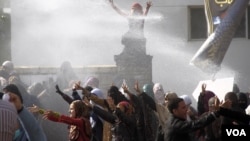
(133, 63)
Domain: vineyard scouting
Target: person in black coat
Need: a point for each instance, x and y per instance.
(145, 114)
(122, 120)
(178, 128)
(237, 115)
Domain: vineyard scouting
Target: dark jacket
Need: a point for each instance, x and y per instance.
(123, 126)
(179, 129)
(146, 119)
(97, 128)
(242, 117)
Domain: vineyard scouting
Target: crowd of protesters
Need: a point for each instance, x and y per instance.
(66, 109)
(150, 114)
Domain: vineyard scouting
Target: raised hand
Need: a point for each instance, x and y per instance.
(111, 103)
(223, 104)
(48, 114)
(78, 86)
(226, 104)
(125, 88)
(203, 87)
(33, 109)
(149, 4)
(58, 90)
(137, 89)
(87, 102)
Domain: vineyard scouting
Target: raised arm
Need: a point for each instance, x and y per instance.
(90, 96)
(119, 11)
(67, 98)
(149, 4)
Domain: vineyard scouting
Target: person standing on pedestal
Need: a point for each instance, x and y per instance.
(136, 19)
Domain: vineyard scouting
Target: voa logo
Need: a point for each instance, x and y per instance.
(236, 132)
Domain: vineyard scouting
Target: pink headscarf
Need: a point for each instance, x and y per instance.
(136, 6)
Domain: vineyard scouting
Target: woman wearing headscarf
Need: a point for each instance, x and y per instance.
(115, 95)
(122, 120)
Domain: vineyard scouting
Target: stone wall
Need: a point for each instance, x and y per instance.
(107, 74)
(40, 74)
